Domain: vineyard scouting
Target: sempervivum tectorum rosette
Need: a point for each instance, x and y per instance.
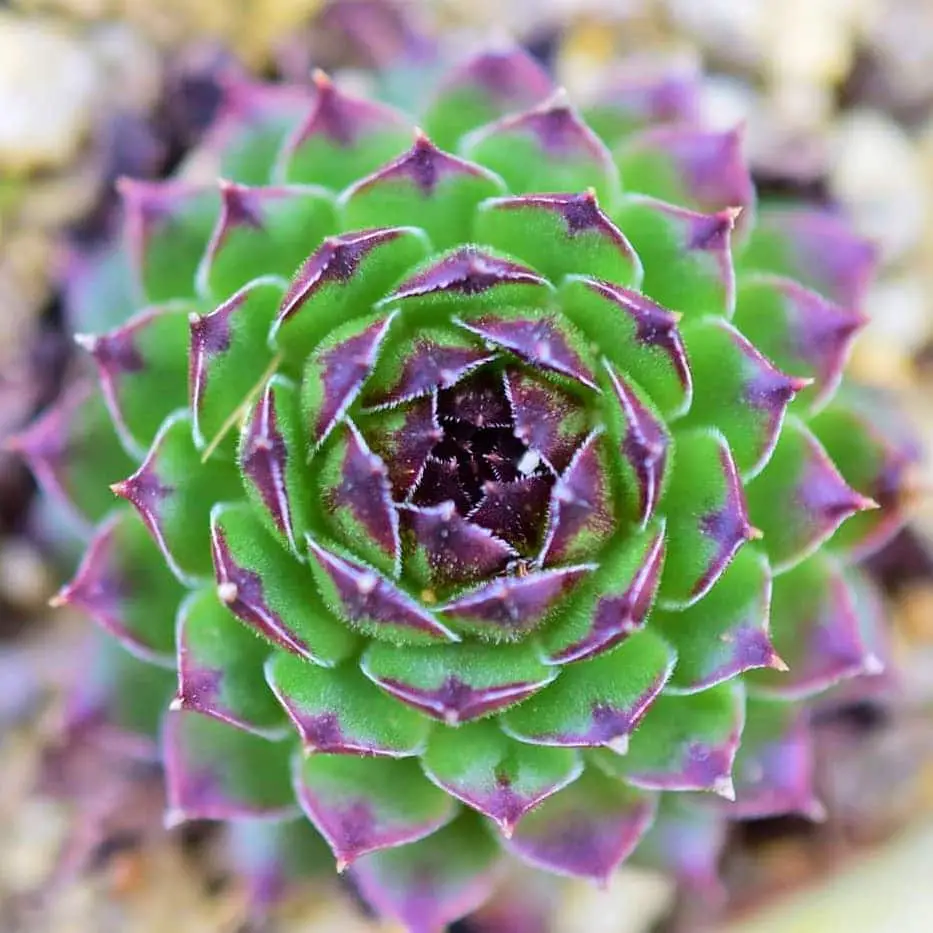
(510, 521)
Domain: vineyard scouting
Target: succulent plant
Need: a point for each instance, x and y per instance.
(478, 489)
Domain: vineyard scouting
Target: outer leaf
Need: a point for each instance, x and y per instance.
(737, 391)
(270, 591)
(262, 231)
(341, 280)
(432, 883)
(495, 775)
(687, 256)
(599, 702)
(211, 773)
(637, 335)
(73, 451)
(123, 585)
(173, 491)
(486, 87)
(141, 368)
(701, 169)
(816, 630)
(342, 139)
(801, 332)
(548, 148)
(559, 234)
(438, 189)
(818, 249)
(220, 667)
(587, 830)
(613, 604)
(272, 462)
(726, 633)
(800, 498)
(458, 683)
(774, 767)
(685, 743)
(168, 225)
(707, 517)
(340, 712)
(230, 357)
(363, 805)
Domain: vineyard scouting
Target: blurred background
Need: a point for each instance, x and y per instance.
(837, 100)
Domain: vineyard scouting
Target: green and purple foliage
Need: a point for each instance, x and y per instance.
(481, 486)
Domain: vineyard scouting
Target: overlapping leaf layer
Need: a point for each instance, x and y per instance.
(481, 484)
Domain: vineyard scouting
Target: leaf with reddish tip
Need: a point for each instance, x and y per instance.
(272, 462)
(738, 391)
(362, 805)
(468, 281)
(444, 549)
(168, 225)
(173, 491)
(641, 438)
(275, 858)
(340, 712)
(701, 169)
(510, 607)
(73, 452)
(875, 463)
(417, 360)
(487, 86)
(514, 511)
(98, 287)
(431, 883)
(542, 338)
(404, 438)
(356, 497)
(559, 234)
(816, 630)
(801, 332)
(211, 772)
(548, 148)
(773, 770)
(549, 420)
(581, 515)
(141, 370)
(686, 841)
(247, 133)
(123, 585)
(230, 358)
(587, 830)
(262, 231)
(800, 498)
(368, 601)
(342, 139)
(220, 667)
(613, 604)
(707, 517)
(269, 590)
(642, 94)
(441, 191)
(637, 335)
(687, 256)
(684, 743)
(597, 702)
(337, 369)
(816, 248)
(495, 775)
(726, 633)
(339, 281)
(458, 683)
